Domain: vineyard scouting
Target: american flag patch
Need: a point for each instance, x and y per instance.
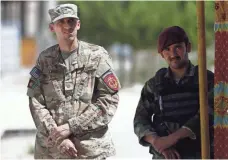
(35, 72)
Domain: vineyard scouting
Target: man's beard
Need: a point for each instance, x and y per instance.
(177, 63)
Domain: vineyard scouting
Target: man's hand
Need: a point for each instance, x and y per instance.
(183, 133)
(59, 133)
(171, 153)
(162, 143)
(67, 148)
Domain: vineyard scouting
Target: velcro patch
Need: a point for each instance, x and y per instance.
(35, 72)
(33, 83)
(111, 81)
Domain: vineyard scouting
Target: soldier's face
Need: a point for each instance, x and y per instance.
(176, 55)
(66, 28)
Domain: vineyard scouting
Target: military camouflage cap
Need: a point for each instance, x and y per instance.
(63, 11)
(171, 35)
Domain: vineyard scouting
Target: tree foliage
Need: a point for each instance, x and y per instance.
(139, 22)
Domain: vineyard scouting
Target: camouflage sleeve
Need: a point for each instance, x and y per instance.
(194, 123)
(105, 100)
(41, 116)
(142, 120)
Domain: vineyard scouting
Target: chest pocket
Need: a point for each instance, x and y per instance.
(52, 85)
(85, 84)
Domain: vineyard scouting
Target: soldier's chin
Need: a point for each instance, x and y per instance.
(176, 66)
(71, 38)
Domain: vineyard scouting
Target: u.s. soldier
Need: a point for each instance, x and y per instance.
(73, 94)
(167, 117)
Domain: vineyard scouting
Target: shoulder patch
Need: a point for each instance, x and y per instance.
(111, 81)
(33, 83)
(35, 72)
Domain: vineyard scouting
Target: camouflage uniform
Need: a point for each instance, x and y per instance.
(84, 95)
(166, 105)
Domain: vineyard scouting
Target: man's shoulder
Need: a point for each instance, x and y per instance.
(210, 75)
(90, 46)
(157, 78)
(50, 51)
(96, 50)
(208, 71)
(161, 72)
(47, 55)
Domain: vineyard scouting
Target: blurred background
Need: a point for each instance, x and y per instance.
(127, 29)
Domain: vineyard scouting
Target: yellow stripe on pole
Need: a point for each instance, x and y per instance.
(204, 124)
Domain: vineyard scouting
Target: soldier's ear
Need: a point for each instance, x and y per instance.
(51, 27)
(78, 24)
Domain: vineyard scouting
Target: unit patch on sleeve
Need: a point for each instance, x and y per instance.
(35, 72)
(111, 81)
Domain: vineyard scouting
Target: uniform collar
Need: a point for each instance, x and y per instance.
(78, 60)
